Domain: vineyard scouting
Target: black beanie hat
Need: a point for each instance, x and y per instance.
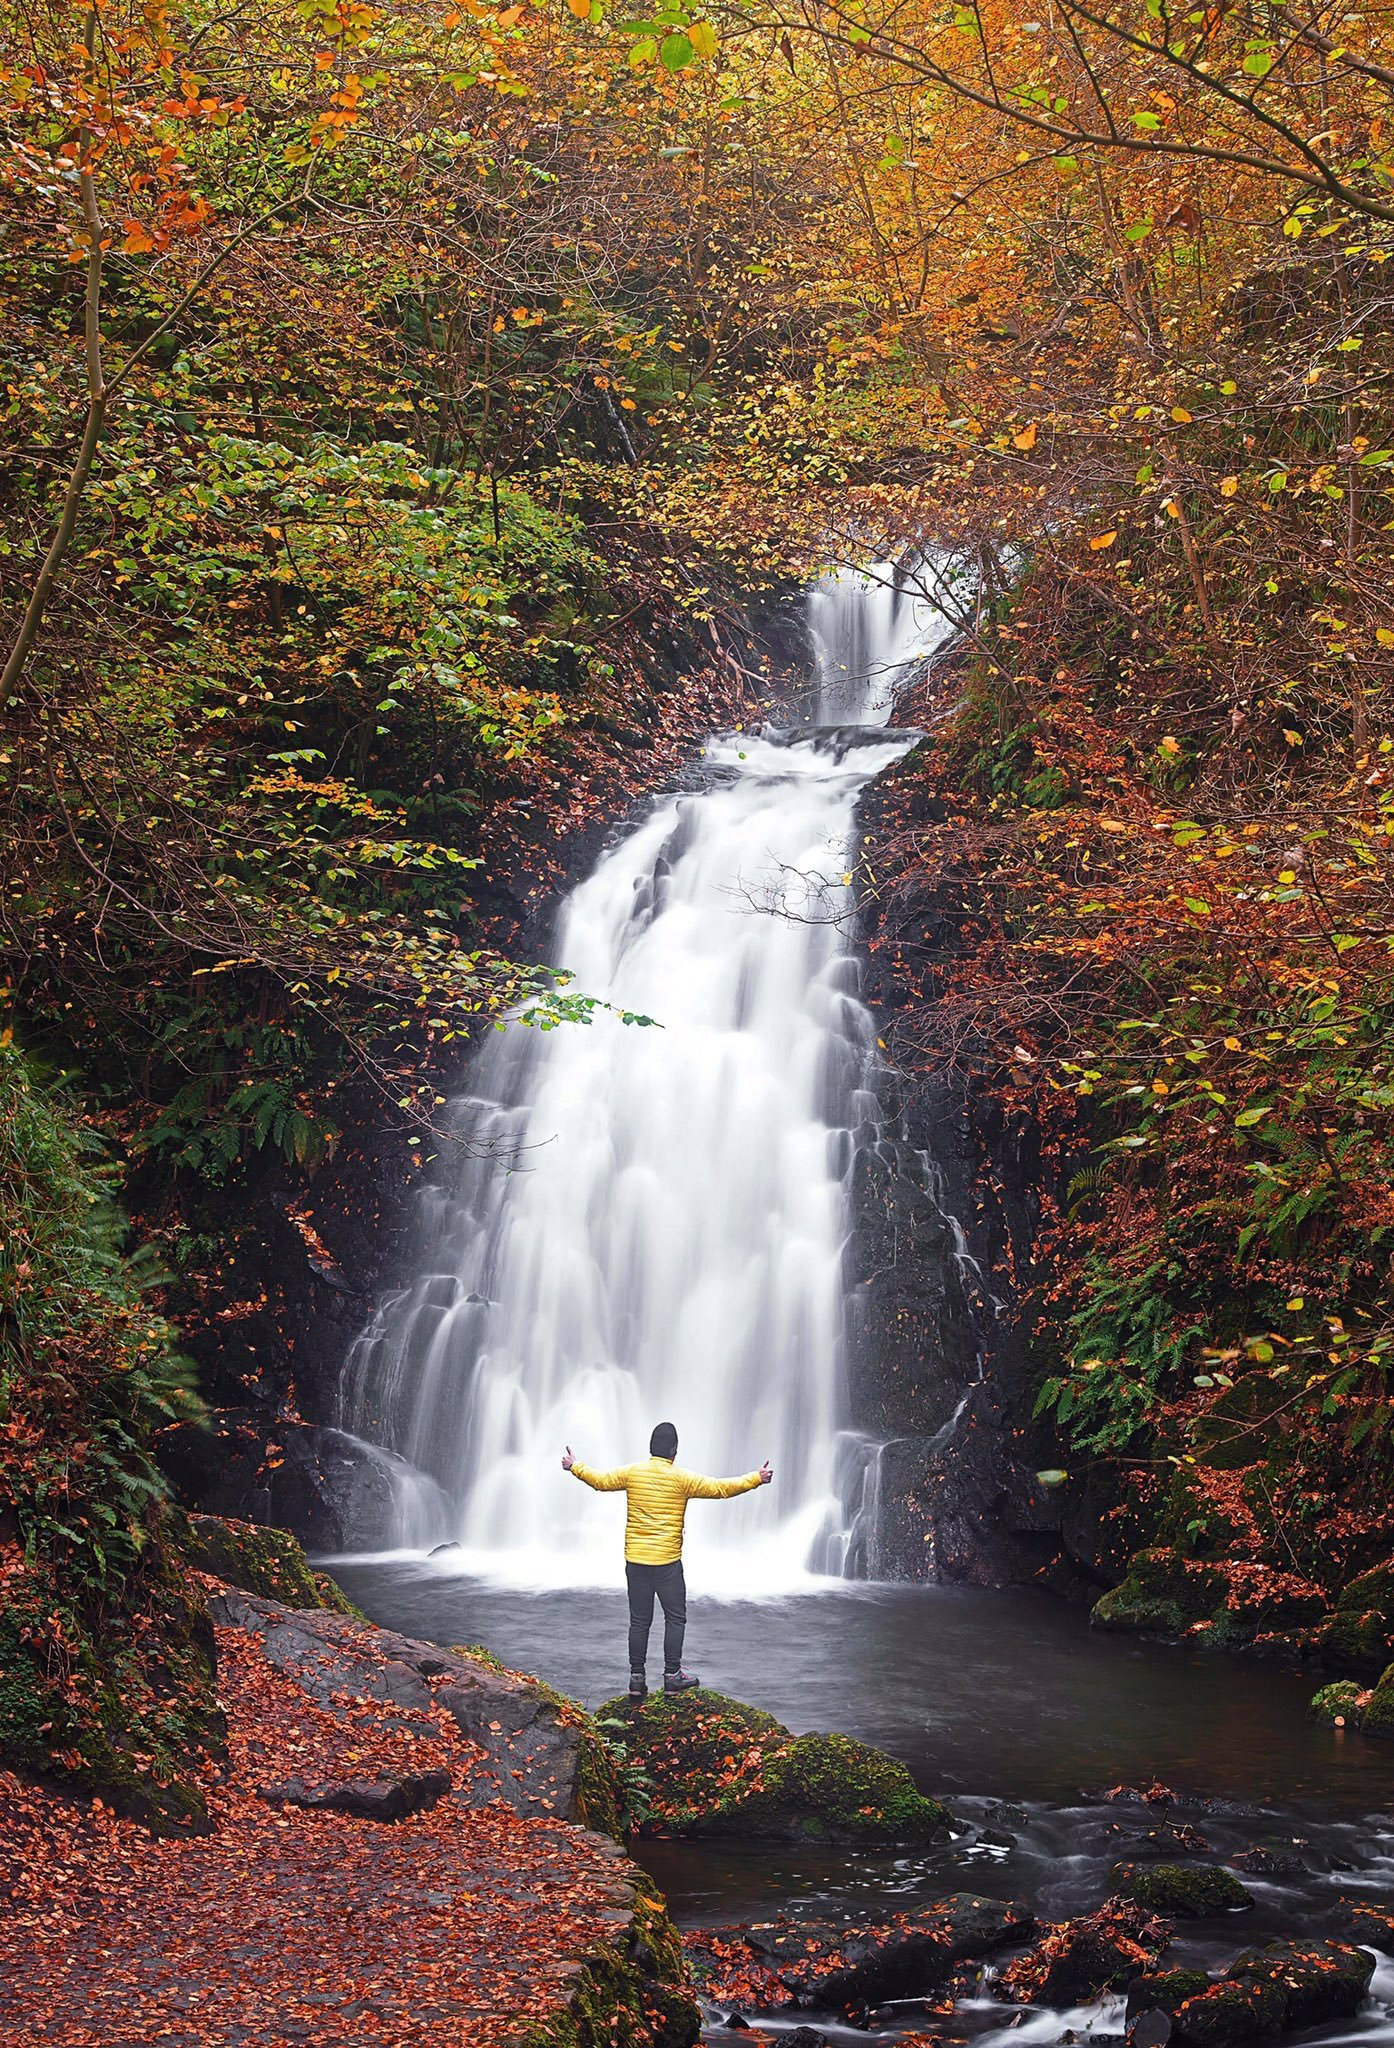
(664, 1441)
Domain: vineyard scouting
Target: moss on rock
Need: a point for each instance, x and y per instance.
(632, 1992)
(1342, 1703)
(1359, 1637)
(1378, 1718)
(120, 1703)
(268, 1562)
(1163, 1594)
(719, 1767)
(1229, 2015)
(1192, 1890)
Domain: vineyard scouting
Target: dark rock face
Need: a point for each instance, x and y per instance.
(936, 1368)
(825, 1964)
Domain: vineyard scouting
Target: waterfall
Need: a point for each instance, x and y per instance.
(650, 1218)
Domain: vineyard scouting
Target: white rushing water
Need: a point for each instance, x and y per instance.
(652, 1223)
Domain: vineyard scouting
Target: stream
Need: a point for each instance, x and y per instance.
(649, 1220)
(1008, 1706)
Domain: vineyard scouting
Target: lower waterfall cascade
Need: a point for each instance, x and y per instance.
(648, 1219)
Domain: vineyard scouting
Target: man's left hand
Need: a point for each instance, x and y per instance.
(766, 1473)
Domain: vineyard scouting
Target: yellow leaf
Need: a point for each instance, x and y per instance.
(1229, 487)
(580, 8)
(1170, 745)
(1160, 1088)
(702, 37)
(1026, 439)
(1104, 540)
(1111, 825)
(1233, 1045)
(1384, 636)
(1181, 416)
(1172, 509)
(1294, 739)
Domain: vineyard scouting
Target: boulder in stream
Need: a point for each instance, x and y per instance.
(1077, 1959)
(719, 1767)
(1264, 1993)
(1194, 1891)
(831, 1965)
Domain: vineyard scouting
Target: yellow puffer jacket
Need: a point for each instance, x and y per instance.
(658, 1496)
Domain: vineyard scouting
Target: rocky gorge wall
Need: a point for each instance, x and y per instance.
(1256, 1531)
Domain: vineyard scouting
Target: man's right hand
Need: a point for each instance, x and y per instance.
(766, 1474)
(567, 1460)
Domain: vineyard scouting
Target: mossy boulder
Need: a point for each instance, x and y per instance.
(718, 1767)
(1163, 1594)
(1341, 1704)
(1359, 1637)
(1229, 2015)
(1192, 1890)
(264, 1561)
(1261, 1995)
(1378, 1718)
(1318, 1980)
(1165, 1990)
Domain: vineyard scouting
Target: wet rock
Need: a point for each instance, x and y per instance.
(1266, 1861)
(1151, 2029)
(720, 1767)
(1164, 1990)
(1003, 1813)
(1263, 1993)
(1229, 2015)
(1077, 1959)
(1321, 1980)
(996, 1838)
(1171, 1840)
(837, 1965)
(804, 2037)
(1193, 1891)
(443, 1549)
(1373, 1925)
(383, 1799)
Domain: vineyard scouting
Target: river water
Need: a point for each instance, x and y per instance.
(649, 1221)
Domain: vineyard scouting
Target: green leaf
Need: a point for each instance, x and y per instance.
(1246, 1117)
(675, 53)
(1052, 1476)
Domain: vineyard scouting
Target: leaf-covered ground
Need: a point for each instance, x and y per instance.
(285, 1925)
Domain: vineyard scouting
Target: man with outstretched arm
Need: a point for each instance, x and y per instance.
(658, 1493)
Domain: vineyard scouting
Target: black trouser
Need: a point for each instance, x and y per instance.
(666, 1580)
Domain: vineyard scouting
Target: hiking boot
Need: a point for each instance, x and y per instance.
(638, 1686)
(679, 1681)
